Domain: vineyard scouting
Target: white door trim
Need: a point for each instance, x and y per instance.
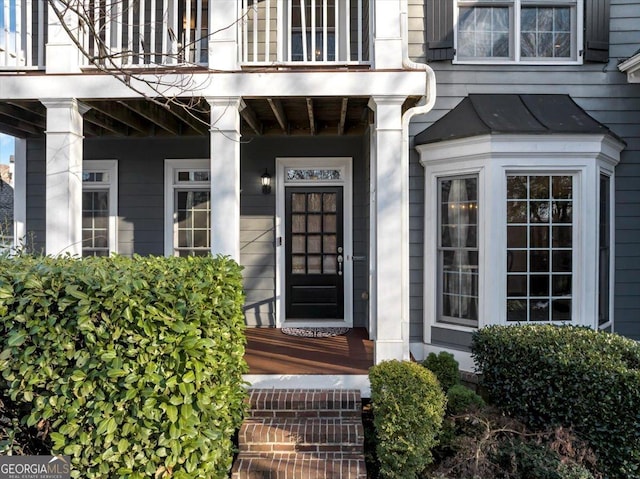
(345, 165)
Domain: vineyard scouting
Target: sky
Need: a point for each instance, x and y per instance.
(6, 148)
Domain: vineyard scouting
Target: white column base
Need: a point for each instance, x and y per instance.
(386, 350)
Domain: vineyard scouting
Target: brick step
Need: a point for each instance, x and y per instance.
(303, 466)
(285, 403)
(306, 434)
(302, 435)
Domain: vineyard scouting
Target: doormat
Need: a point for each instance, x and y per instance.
(315, 332)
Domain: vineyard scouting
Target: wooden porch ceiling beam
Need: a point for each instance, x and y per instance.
(312, 121)
(96, 118)
(23, 115)
(278, 111)
(123, 115)
(250, 117)
(12, 131)
(188, 114)
(18, 125)
(343, 116)
(154, 114)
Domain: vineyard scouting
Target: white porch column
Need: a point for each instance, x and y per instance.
(390, 215)
(225, 176)
(223, 42)
(388, 34)
(64, 176)
(62, 53)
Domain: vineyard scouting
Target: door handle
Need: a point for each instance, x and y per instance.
(340, 260)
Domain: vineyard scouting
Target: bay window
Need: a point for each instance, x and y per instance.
(518, 236)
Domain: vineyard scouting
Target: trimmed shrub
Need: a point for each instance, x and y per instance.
(461, 399)
(134, 365)
(445, 367)
(408, 407)
(569, 376)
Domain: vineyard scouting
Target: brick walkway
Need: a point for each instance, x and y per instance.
(295, 433)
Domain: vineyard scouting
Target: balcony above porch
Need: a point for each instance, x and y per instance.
(221, 34)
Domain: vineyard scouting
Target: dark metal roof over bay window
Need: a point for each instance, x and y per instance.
(484, 114)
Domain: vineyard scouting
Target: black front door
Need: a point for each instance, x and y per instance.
(314, 252)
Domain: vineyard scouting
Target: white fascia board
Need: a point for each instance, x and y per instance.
(631, 67)
(206, 84)
(597, 146)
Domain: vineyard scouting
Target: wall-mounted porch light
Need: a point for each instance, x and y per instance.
(265, 179)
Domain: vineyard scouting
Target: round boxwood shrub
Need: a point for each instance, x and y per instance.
(408, 407)
(445, 367)
(461, 399)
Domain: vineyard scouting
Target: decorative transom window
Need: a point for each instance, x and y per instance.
(99, 207)
(517, 30)
(188, 193)
(458, 250)
(539, 247)
(313, 174)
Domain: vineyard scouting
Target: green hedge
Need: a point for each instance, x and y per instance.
(135, 364)
(408, 408)
(570, 376)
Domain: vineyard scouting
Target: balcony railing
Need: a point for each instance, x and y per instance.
(305, 31)
(123, 33)
(130, 33)
(23, 34)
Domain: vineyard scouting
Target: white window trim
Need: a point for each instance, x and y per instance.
(345, 165)
(578, 35)
(492, 158)
(171, 166)
(111, 168)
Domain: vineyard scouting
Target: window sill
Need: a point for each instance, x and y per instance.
(496, 62)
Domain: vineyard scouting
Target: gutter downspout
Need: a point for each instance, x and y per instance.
(425, 107)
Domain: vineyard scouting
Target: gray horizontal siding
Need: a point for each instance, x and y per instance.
(36, 212)
(598, 88)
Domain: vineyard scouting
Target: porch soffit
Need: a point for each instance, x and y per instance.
(190, 117)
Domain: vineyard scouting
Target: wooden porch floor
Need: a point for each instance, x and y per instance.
(269, 351)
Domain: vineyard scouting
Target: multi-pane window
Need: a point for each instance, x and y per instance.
(483, 32)
(539, 247)
(604, 250)
(517, 30)
(458, 250)
(99, 209)
(95, 223)
(192, 213)
(314, 233)
(545, 32)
